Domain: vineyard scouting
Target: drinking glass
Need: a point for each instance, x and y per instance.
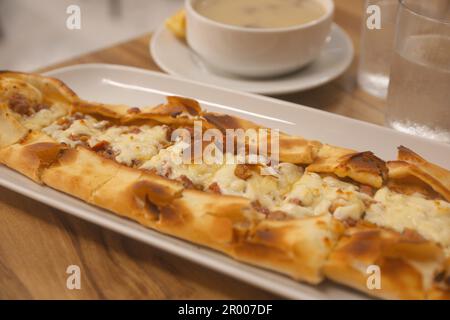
(377, 47)
(419, 91)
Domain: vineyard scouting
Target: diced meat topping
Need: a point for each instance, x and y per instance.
(21, 105)
(187, 183)
(64, 123)
(134, 111)
(102, 145)
(104, 149)
(243, 171)
(79, 137)
(296, 201)
(214, 188)
(78, 116)
(349, 222)
(370, 191)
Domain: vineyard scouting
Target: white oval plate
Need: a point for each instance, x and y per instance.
(138, 87)
(175, 57)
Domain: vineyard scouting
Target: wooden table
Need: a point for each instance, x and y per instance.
(38, 243)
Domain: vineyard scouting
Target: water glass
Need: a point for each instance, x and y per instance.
(419, 91)
(377, 43)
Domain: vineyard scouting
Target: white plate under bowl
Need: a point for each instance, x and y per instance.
(137, 87)
(175, 57)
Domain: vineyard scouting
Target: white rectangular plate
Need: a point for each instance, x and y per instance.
(137, 87)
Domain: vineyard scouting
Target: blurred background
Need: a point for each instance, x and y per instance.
(33, 33)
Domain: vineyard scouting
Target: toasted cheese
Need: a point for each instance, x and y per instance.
(288, 174)
(228, 182)
(44, 117)
(169, 162)
(313, 195)
(257, 188)
(267, 189)
(430, 218)
(87, 126)
(128, 146)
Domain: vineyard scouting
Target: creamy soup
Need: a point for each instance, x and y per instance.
(261, 13)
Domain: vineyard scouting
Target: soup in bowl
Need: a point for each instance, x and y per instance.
(261, 13)
(258, 38)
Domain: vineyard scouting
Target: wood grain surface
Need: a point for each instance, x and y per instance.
(38, 243)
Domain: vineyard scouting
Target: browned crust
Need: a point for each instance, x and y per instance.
(101, 110)
(419, 174)
(167, 113)
(152, 200)
(11, 131)
(166, 206)
(190, 105)
(52, 89)
(136, 195)
(298, 248)
(207, 219)
(178, 111)
(225, 121)
(441, 285)
(362, 167)
(398, 256)
(79, 172)
(32, 155)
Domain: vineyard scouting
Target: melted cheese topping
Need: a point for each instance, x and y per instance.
(140, 146)
(169, 163)
(288, 174)
(87, 126)
(430, 218)
(44, 117)
(128, 146)
(313, 195)
(267, 189)
(288, 190)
